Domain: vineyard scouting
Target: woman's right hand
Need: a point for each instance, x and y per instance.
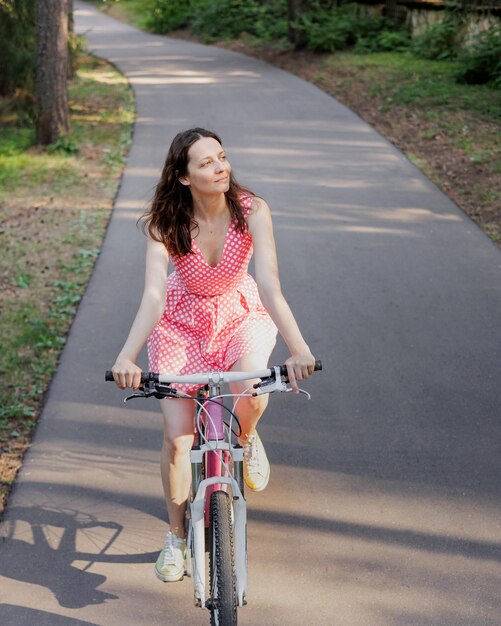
(126, 373)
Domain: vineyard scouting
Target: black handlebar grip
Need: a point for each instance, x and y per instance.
(146, 377)
(318, 367)
(149, 377)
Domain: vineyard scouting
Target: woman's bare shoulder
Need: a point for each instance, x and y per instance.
(259, 205)
(259, 219)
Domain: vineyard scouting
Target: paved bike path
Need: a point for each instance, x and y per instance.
(383, 507)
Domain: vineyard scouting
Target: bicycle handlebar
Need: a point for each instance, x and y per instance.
(210, 377)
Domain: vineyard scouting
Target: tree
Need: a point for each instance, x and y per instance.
(17, 47)
(52, 69)
(296, 36)
(390, 9)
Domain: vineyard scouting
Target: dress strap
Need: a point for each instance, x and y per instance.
(246, 203)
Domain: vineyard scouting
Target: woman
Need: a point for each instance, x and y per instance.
(209, 313)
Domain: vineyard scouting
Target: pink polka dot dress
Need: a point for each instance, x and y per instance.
(213, 315)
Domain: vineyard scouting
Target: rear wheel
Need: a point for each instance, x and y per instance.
(223, 600)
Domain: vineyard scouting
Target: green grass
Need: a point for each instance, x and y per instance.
(405, 80)
(54, 207)
(19, 166)
(28, 168)
(34, 324)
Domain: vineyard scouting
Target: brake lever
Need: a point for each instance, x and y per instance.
(270, 385)
(153, 390)
(279, 383)
(136, 394)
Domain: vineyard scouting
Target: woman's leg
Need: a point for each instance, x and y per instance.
(249, 410)
(175, 465)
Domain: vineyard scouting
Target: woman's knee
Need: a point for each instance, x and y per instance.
(253, 406)
(177, 446)
(178, 426)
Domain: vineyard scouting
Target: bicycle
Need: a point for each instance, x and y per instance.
(216, 513)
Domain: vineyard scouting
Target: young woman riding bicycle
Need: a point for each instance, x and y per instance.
(208, 314)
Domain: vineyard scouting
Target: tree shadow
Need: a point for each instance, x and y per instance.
(429, 542)
(19, 615)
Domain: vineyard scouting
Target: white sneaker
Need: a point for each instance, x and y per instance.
(171, 561)
(256, 465)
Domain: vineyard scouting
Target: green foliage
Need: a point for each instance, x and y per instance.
(225, 19)
(440, 41)
(393, 40)
(64, 145)
(349, 25)
(481, 63)
(17, 45)
(271, 21)
(167, 15)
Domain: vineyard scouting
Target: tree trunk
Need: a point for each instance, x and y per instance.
(72, 47)
(390, 9)
(52, 70)
(396, 13)
(296, 36)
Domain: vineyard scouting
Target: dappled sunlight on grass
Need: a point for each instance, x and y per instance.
(108, 78)
(34, 168)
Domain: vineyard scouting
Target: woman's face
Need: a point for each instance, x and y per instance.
(208, 168)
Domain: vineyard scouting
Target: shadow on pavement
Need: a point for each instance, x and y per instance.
(428, 542)
(12, 615)
(45, 558)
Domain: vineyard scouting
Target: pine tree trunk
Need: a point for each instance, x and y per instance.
(52, 70)
(391, 9)
(72, 51)
(296, 36)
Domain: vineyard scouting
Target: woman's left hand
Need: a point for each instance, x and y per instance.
(300, 365)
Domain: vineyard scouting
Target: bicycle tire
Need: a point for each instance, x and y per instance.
(223, 589)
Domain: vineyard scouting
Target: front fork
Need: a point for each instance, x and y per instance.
(196, 533)
(209, 475)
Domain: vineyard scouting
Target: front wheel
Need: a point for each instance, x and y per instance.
(223, 600)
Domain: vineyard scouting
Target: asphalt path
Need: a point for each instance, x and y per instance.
(383, 506)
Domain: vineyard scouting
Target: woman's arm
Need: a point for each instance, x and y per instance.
(125, 371)
(301, 362)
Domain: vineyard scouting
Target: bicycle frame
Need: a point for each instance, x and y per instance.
(215, 455)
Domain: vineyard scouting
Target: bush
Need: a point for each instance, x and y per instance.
(439, 42)
(389, 40)
(225, 19)
(271, 23)
(17, 46)
(167, 15)
(385, 41)
(481, 63)
(328, 29)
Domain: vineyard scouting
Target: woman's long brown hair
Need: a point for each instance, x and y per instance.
(170, 218)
